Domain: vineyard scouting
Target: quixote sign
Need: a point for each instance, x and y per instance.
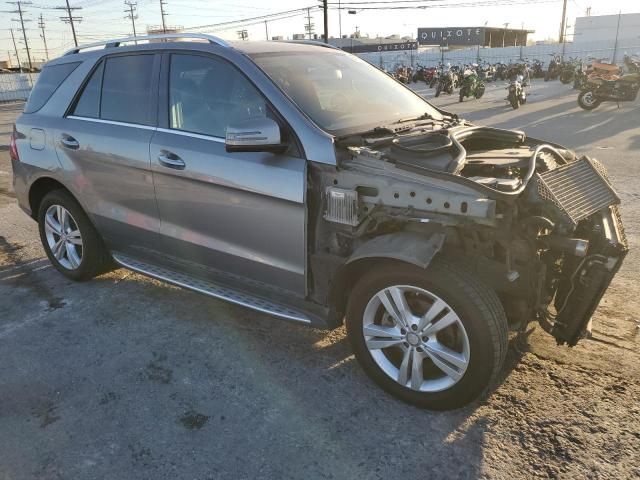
(451, 36)
(381, 47)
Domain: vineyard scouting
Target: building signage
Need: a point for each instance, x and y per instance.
(451, 36)
(381, 47)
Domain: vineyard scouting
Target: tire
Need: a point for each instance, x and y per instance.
(587, 100)
(480, 91)
(566, 77)
(461, 97)
(546, 77)
(478, 316)
(78, 261)
(438, 90)
(513, 100)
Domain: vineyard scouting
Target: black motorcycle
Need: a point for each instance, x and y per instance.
(598, 90)
(446, 82)
(537, 69)
(554, 69)
(568, 70)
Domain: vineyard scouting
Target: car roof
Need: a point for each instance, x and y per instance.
(244, 47)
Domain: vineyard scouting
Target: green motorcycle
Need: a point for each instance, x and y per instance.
(471, 85)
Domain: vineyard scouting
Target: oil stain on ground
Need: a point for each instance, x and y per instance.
(192, 420)
(156, 372)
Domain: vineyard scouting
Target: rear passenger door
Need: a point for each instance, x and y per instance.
(103, 143)
(221, 212)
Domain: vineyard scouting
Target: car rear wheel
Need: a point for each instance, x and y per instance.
(435, 338)
(70, 240)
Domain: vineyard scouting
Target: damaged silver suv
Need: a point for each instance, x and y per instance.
(300, 181)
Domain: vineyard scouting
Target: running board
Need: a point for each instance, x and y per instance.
(211, 289)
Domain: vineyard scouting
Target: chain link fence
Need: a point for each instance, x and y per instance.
(606, 51)
(16, 86)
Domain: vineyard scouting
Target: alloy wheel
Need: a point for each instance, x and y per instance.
(588, 99)
(416, 338)
(63, 237)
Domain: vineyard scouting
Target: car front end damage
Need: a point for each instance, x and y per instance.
(533, 221)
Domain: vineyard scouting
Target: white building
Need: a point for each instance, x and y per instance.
(603, 28)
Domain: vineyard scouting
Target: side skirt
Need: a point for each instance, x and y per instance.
(231, 295)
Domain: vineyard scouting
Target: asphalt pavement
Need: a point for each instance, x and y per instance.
(124, 377)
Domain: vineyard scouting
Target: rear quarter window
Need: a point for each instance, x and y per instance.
(48, 82)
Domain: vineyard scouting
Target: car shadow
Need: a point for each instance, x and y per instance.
(309, 380)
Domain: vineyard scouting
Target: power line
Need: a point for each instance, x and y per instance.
(24, 32)
(413, 5)
(258, 19)
(131, 14)
(70, 19)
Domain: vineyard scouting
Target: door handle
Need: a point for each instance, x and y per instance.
(69, 142)
(171, 160)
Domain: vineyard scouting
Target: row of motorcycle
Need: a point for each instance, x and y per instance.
(598, 81)
(471, 79)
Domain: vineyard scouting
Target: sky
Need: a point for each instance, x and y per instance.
(103, 19)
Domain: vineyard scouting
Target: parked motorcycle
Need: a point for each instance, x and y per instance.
(568, 70)
(554, 68)
(423, 74)
(537, 69)
(517, 95)
(446, 82)
(403, 74)
(471, 85)
(599, 89)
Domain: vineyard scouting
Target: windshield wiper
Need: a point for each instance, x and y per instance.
(424, 116)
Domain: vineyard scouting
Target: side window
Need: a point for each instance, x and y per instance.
(126, 88)
(48, 82)
(206, 95)
(88, 104)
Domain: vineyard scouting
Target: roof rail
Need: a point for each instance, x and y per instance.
(311, 42)
(162, 36)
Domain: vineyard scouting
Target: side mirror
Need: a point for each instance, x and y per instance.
(254, 135)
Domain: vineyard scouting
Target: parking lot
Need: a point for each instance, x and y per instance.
(125, 377)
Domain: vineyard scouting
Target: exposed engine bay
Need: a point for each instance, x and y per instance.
(536, 223)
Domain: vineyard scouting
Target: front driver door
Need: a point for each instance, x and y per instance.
(220, 212)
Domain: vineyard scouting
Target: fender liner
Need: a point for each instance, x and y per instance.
(404, 246)
(410, 247)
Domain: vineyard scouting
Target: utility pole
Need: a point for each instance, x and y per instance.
(16, 50)
(615, 45)
(163, 15)
(504, 33)
(43, 36)
(266, 30)
(131, 14)
(340, 20)
(325, 9)
(563, 23)
(70, 19)
(309, 26)
(24, 32)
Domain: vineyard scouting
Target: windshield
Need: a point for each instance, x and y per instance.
(340, 92)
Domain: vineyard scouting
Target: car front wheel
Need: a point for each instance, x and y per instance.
(435, 338)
